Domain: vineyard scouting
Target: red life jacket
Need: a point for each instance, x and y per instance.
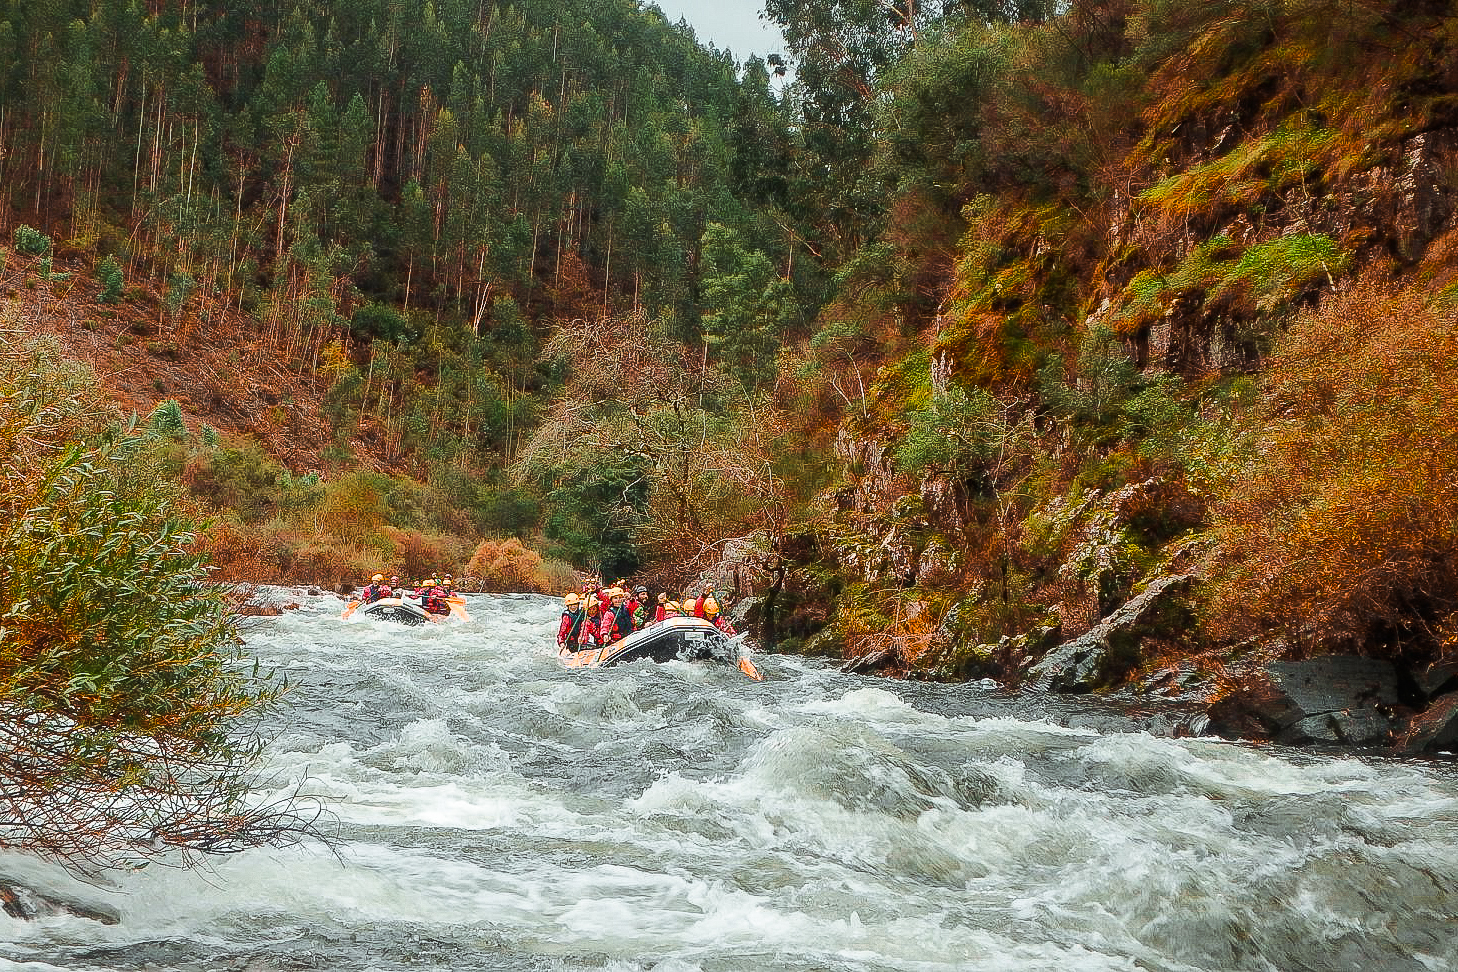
(374, 592)
(658, 614)
(722, 623)
(608, 632)
(434, 601)
(568, 630)
(587, 633)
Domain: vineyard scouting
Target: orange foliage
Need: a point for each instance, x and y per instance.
(507, 565)
(1340, 526)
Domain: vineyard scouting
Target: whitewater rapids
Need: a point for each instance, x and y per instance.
(490, 810)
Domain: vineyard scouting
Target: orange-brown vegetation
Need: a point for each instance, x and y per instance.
(1338, 528)
(508, 565)
(224, 372)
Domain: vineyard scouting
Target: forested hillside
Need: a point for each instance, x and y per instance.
(379, 212)
(999, 314)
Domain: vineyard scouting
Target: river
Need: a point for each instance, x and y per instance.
(490, 810)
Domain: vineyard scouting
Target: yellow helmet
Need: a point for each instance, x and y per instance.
(572, 600)
(673, 606)
(377, 578)
(711, 607)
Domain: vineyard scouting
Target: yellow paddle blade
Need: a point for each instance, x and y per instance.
(747, 667)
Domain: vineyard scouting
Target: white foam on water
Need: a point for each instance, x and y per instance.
(678, 817)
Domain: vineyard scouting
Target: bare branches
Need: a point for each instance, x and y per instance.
(699, 439)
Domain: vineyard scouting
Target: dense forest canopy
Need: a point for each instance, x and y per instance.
(976, 269)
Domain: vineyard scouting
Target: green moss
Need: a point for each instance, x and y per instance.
(904, 385)
(1259, 280)
(1270, 274)
(1240, 177)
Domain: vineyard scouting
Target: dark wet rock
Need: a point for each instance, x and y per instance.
(872, 661)
(1113, 647)
(27, 903)
(1436, 679)
(745, 612)
(1435, 728)
(249, 609)
(1337, 700)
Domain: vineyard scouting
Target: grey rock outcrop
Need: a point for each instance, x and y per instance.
(1114, 646)
(1335, 700)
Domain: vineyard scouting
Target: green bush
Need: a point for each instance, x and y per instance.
(166, 420)
(122, 679)
(379, 322)
(109, 275)
(31, 241)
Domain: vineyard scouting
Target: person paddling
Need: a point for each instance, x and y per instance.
(570, 629)
(588, 636)
(712, 615)
(378, 590)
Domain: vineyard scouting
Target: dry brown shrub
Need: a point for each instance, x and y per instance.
(507, 565)
(1339, 526)
(417, 554)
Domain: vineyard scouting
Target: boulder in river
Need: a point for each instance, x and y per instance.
(1434, 728)
(1334, 699)
(28, 903)
(1113, 647)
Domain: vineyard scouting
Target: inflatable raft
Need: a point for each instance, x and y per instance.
(405, 610)
(682, 639)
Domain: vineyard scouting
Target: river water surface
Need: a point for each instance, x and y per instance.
(491, 810)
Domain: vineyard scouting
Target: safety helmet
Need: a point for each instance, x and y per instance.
(447, 583)
(377, 578)
(711, 607)
(673, 606)
(394, 578)
(639, 591)
(662, 597)
(615, 593)
(572, 600)
(591, 605)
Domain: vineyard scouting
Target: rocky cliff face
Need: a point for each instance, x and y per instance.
(1223, 224)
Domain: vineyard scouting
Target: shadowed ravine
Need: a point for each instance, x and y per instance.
(495, 812)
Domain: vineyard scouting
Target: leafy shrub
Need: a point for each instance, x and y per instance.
(120, 712)
(379, 322)
(31, 242)
(1337, 524)
(243, 479)
(507, 565)
(166, 420)
(109, 275)
(353, 510)
(417, 554)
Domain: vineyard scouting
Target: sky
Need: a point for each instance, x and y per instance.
(732, 24)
